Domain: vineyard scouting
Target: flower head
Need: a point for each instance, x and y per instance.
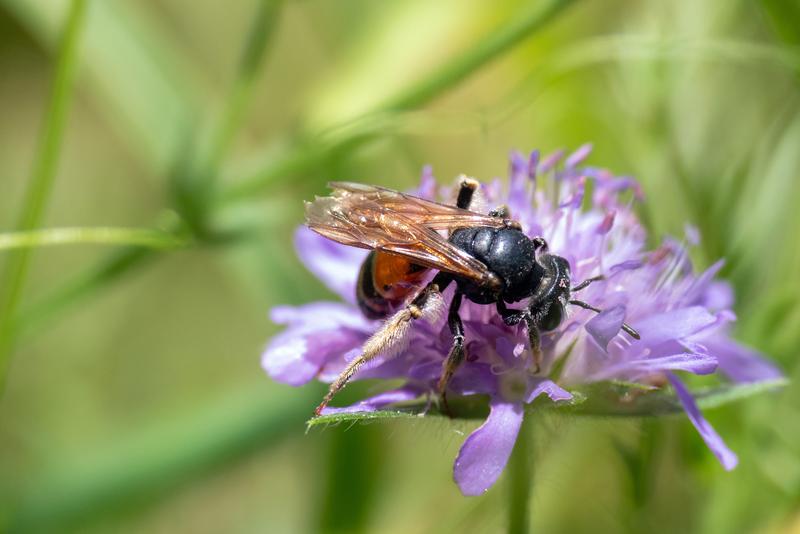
(586, 215)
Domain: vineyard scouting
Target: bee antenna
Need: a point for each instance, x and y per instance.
(625, 326)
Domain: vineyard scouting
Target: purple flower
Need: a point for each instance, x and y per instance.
(683, 317)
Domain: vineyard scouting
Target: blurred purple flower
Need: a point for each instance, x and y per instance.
(683, 317)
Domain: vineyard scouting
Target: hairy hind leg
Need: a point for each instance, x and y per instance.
(390, 335)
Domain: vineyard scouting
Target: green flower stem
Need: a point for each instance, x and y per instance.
(355, 460)
(140, 244)
(140, 237)
(42, 176)
(520, 479)
(85, 283)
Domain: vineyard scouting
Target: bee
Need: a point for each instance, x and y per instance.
(487, 256)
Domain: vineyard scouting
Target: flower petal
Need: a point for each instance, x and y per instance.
(336, 265)
(727, 457)
(550, 161)
(427, 184)
(320, 316)
(485, 453)
(295, 358)
(578, 156)
(674, 324)
(740, 363)
(695, 294)
(606, 324)
(533, 163)
(478, 380)
(537, 386)
(317, 334)
(699, 364)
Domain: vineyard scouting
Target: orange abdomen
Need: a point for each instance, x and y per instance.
(385, 281)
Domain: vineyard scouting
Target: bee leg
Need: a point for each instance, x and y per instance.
(501, 212)
(456, 355)
(391, 334)
(587, 282)
(512, 317)
(535, 342)
(466, 189)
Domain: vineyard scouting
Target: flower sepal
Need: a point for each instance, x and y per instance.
(602, 399)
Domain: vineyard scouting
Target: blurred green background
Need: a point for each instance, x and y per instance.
(133, 397)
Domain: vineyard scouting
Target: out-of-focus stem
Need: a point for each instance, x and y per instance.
(42, 177)
(141, 237)
(520, 480)
(438, 82)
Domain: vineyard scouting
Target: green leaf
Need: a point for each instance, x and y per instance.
(604, 399)
(353, 417)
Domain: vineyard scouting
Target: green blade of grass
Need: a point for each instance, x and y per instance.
(134, 70)
(251, 63)
(484, 51)
(520, 480)
(42, 176)
(194, 188)
(139, 237)
(122, 262)
(301, 157)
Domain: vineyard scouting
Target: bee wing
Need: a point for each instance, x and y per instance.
(379, 220)
(425, 212)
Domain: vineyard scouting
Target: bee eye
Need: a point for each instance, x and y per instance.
(387, 287)
(552, 320)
